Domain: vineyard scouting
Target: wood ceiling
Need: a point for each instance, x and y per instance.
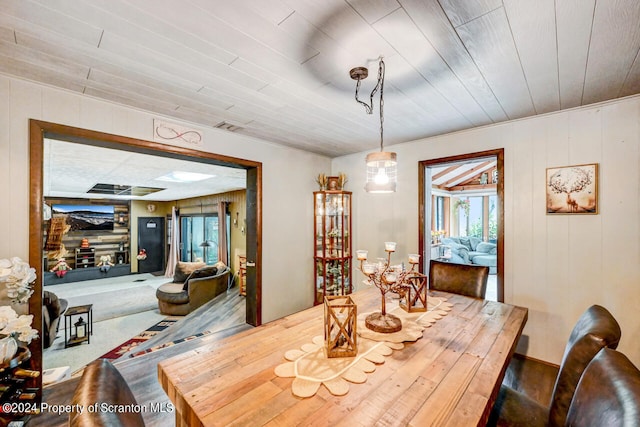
(466, 177)
(278, 69)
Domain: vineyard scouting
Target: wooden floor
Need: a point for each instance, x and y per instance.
(224, 316)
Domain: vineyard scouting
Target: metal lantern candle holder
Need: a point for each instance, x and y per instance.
(81, 328)
(387, 279)
(340, 322)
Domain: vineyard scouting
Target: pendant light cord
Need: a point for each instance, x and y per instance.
(381, 84)
(369, 107)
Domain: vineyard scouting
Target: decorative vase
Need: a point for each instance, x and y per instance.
(8, 349)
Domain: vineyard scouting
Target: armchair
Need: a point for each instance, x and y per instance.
(52, 310)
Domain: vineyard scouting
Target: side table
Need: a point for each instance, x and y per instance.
(71, 338)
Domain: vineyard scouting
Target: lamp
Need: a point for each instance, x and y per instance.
(382, 166)
(205, 244)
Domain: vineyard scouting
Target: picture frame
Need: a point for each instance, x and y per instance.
(333, 183)
(572, 190)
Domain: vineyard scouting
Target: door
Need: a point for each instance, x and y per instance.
(151, 239)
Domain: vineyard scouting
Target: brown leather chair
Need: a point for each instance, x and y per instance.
(595, 329)
(102, 384)
(608, 393)
(463, 279)
(52, 310)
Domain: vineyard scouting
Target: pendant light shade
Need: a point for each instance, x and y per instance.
(382, 175)
(382, 167)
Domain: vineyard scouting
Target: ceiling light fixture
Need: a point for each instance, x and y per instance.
(180, 176)
(382, 166)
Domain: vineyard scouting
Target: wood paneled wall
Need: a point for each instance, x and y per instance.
(105, 242)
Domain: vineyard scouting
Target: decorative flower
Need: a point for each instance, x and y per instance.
(17, 326)
(18, 277)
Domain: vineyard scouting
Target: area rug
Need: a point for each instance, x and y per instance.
(118, 303)
(141, 337)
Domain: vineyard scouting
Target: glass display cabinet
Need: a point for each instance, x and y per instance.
(332, 241)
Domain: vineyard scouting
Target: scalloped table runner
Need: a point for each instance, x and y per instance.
(310, 367)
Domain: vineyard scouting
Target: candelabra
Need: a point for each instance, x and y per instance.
(386, 279)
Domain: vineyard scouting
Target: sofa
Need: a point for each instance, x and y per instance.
(472, 250)
(194, 284)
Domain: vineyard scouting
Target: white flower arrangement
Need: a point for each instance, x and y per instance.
(17, 326)
(18, 276)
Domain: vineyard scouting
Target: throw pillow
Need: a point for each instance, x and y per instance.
(208, 271)
(184, 270)
(465, 241)
(474, 241)
(486, 247)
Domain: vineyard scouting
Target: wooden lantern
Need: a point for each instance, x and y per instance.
(414, 298)
(340, 320)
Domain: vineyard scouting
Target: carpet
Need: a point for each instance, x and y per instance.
(118, 303)
(141, 337)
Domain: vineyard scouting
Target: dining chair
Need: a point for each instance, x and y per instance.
(102, 384)
(596, 329)
(463, 279)
(608, 393)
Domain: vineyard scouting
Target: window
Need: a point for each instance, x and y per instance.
(477, 217)
(439, 219)
(199, 237)
(493, 219)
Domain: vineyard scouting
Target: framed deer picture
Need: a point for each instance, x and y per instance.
(572, 189)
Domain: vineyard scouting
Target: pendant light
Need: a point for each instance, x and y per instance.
(382, 166)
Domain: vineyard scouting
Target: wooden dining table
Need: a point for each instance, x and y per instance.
(450, 376)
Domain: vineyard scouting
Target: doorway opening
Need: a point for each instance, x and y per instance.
(462, 213)
(40, 130)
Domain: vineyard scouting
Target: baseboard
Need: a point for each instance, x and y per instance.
(534, 360)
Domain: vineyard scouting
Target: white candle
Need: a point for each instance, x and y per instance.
(414, 258)
(368, 268)
(391, 277)
(361, 255)
(390, 246)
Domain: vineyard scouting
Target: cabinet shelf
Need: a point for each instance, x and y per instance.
(85, 257)
(332, 244)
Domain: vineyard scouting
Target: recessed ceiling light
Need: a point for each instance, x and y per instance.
(179, 176)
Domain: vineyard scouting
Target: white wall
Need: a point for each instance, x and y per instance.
(557, 266)
(288, 182)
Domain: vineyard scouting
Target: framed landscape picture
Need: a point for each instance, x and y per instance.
(572, 189)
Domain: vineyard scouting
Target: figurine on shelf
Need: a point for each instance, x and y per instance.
(105, 263)
(142, 254)
(61, 268)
